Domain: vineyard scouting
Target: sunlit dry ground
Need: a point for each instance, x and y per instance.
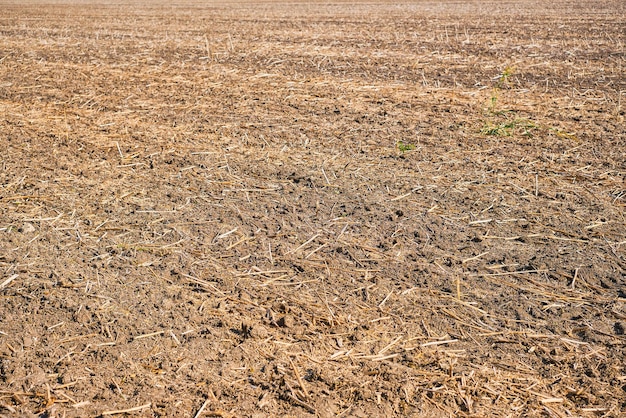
(313, 209)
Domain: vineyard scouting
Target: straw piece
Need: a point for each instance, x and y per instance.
(225, 234)
(152, 334)
(77, 337)
(552, 400)
(8, 281)
(389, 346)
(126, 411)
(438, 343)
(474, 258)
(299, 379)
(204, 405)
(480, 222)
(262, 273)
(400, 197)
(303, 245)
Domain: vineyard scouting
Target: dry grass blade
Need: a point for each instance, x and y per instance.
(128, 410)
(201, 410)
(8, 281)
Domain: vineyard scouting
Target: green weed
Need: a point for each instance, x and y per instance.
(503, 78)
(500, 122)
(402, 147)
(508, 128)
(501, 81)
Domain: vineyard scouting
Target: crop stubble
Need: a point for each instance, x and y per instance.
(355, 209)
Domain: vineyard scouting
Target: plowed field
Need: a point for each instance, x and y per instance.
(352, 209)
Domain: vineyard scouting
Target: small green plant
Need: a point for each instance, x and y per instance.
(494, 101)
(500, 122)
(563, 134)
(508, 128)
(493, 129)
(501, 81)
(503, 78)
(404, 147)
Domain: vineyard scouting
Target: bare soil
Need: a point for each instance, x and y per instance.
(298, 209)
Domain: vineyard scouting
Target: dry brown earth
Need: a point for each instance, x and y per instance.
(313, 209)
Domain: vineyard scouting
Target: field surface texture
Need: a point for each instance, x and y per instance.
(313, 209)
